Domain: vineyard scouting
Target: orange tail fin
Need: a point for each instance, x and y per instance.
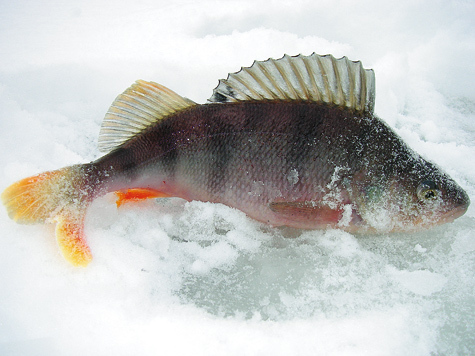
(71, 239)
(56, 196)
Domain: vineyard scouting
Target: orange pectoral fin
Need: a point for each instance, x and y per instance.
(137, 194)
(307, 213)
(71, 240)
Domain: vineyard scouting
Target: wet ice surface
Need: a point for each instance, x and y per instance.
(173, 277)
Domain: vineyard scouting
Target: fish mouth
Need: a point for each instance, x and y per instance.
(456, 211)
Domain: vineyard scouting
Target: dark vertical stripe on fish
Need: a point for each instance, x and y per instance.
(222, 151)
(301, 134)
(167, 142)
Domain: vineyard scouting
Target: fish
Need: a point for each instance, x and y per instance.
(291, 142)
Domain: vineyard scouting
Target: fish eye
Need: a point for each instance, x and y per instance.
(427, 190)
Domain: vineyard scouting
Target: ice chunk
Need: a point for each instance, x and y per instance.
(420, 282)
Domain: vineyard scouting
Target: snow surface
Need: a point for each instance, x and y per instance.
(177, 278)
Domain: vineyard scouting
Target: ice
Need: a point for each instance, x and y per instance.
(177, 278)
(421, 282)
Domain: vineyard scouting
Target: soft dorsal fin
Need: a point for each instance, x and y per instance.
(322, 79)
(138, 107)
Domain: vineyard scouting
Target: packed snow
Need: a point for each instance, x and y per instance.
(177, 278)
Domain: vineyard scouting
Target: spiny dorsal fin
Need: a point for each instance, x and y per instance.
(140, 106)
(322, 79)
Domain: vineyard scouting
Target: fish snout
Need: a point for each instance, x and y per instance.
(457, 205)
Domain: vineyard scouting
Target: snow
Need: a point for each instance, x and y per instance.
(177, 278)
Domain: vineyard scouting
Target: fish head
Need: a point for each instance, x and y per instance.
(436, 199)
(417, 196)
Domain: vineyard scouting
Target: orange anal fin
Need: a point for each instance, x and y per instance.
(71, 240)
(314, 213)
(137, 194)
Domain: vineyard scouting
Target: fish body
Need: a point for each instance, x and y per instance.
(291, 142)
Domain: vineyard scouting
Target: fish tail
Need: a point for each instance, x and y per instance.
(61, 197)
